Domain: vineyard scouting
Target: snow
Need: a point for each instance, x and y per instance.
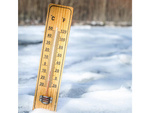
(97, 76)
(40, 110)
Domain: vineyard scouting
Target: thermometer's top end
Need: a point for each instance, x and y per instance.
(68, 7)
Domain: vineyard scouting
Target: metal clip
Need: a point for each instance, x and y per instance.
(45, 99)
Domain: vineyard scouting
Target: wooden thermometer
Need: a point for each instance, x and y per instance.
(53, 53)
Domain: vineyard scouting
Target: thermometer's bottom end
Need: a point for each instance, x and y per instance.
(45, 99)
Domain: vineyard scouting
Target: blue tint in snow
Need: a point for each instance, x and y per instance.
(97, 74)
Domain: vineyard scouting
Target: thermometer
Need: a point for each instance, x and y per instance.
(53, 53)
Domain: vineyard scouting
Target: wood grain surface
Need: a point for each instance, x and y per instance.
(60, 17)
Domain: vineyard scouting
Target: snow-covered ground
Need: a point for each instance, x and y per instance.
(97, 76)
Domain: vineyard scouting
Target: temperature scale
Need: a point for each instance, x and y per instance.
(53, 53)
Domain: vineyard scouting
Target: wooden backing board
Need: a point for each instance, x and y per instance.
(58, 16)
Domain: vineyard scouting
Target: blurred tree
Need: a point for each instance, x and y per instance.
(85, 11)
